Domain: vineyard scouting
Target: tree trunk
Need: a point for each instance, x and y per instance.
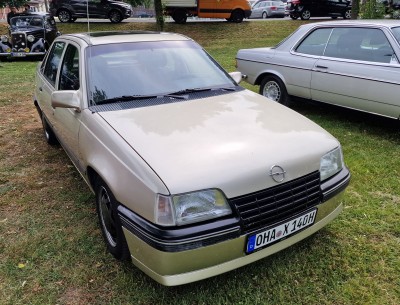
(159, 14)
(355, 9)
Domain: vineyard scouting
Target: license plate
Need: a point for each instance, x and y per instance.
(19, 54)
(272, 235)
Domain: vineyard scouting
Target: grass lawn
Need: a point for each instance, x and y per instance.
(52, 252)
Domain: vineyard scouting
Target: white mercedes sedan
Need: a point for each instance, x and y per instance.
(353, 64)
(193, 175)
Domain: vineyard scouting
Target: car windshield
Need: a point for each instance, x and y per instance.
(25, 21)
(147, 69)
(396, 32)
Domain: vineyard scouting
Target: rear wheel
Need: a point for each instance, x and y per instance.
(64, 15)
(110, 224)
(179, 16)
(237, 16)
(115, 16)
(273, 88)
(305, 14)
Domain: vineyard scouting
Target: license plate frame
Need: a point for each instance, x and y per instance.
(273, 234)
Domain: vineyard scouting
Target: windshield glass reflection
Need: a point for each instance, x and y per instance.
(150, 68)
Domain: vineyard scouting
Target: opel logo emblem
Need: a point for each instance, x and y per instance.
(277, 173)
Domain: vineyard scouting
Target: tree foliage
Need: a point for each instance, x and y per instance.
(16, 3)
(134, 3)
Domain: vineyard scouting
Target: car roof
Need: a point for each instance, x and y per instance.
(33, 14)
(98, 38)
(365, 22)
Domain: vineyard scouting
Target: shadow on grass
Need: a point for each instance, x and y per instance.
(328, 115)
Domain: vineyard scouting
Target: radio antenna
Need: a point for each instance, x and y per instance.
(87, 17)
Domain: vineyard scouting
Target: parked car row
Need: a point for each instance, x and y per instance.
(304, 9)
(194, 175)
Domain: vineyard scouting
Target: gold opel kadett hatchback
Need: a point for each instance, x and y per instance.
(193, 174)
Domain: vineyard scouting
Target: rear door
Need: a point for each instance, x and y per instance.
(61, 71)
(360, 70)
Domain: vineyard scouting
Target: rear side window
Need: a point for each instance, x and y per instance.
(69, 77)
(314, 44)
(53, 61)
(364, 44)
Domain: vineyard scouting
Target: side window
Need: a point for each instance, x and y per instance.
(360, 44)
(314, 44)
(69, 77)
(52, 63)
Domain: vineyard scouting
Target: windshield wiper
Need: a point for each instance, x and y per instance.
(193, 90)
(127, 98)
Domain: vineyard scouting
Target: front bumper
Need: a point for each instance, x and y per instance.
(22, 54)
(171, 261)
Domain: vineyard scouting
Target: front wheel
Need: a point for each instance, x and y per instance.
(110, 224)
(115, 17)
(180, 16)
(347, 14)
(264, 15)
(305, 14)
(48, 132)
(273, 88)
(237, 16)
(64, 16)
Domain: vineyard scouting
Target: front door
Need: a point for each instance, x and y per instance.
(359, 70)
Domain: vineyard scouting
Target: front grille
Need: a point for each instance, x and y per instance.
(19, 41)
(38, 35)
(272, 205)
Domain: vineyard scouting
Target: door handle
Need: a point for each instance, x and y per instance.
(321, 67)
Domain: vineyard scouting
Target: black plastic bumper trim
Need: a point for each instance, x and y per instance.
(177, 239)
(335, 184)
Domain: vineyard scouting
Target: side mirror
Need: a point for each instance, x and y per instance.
(66, 99)
(237, 76)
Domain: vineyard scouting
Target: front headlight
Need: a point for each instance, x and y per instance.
(4, 38)
(191, 207)
(331, 163)
(31, 38)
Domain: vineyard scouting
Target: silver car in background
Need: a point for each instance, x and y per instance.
(267, 9)
(354, 64)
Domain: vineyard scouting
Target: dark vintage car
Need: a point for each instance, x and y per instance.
(30, 34)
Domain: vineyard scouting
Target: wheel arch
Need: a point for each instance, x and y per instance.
(270, 73)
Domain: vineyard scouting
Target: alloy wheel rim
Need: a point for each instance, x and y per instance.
(107, 217)
(272, 91)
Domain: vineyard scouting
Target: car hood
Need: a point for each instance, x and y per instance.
(228, 142)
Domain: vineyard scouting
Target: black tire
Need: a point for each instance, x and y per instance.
(347, 14)
(305, 14)
(115, 16)
(48, 132)
(237, 16)
(64, 15)
(273, 88)
(110, 224)
(179, 16)
(294, 17)
(264, 15)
